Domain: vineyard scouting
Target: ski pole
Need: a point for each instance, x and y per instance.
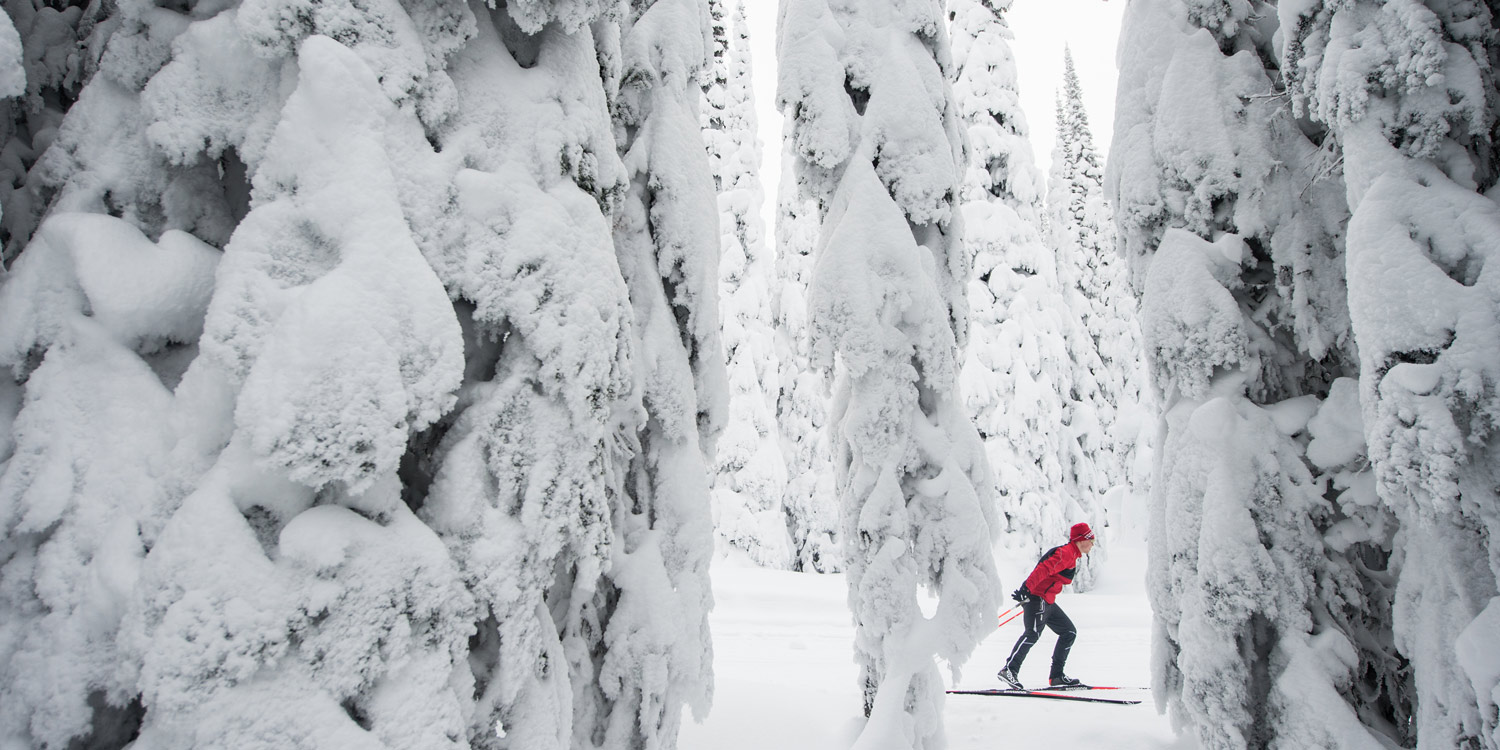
(1005, 621)
(1008, 611)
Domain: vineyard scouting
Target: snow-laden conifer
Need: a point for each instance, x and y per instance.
(108, 301)
(1015, 367)
(280, 567)
(84, 481)
(47, 53)
(12, 53)
(332, 341)
(1271, 555)
(878, 143)
(1408, 93)
(593, 341)
(1104, 415)
(523, 479)
(653, 610)
(355, 392)
(94, 325)
(802, 397)
(749, 472)
(579, 449)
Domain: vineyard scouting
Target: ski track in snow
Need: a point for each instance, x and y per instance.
(785, 676)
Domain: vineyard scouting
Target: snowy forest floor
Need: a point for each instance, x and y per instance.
(785, 676)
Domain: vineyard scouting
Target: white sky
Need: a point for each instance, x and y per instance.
(1041, 27)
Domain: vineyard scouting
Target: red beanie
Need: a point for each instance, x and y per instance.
(1081, 531)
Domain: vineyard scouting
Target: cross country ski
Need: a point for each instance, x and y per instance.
(1050, 694)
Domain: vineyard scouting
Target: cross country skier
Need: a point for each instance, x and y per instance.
(1038, 598)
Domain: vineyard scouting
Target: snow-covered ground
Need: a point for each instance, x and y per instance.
(784, 675)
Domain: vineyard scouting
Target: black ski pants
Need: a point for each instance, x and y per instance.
(1035, 614)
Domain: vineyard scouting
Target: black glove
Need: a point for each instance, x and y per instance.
(1021, 595)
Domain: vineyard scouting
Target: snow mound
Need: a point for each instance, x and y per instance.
(144, 293)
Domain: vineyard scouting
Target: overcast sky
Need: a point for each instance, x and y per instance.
(1041, 27)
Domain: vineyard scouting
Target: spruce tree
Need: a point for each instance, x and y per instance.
(802, 396)
(749, 473)
(1103, 391)
(1409, 98)
(1271, 554)
(653, 607)
(401, 373)
(48, 52)
(878, 144)
(1360, 139)
(1015, 368)
(272, 562)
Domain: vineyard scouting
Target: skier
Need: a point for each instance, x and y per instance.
(1038, 597)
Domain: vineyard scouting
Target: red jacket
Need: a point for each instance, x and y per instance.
(1054, 571)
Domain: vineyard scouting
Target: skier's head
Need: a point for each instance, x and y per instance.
(1083, 536)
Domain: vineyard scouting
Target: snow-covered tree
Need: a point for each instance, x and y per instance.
(359, 380)
(1408, 93)
(525, 479)
(749, 473)
(596, 376)
(1015, 368)
(878, 141)
(1104, 419)
(1271, 553)
(654, 608)
(12, 55)
(802, 396)
(326, 340)
(47, 52)
(83, 485)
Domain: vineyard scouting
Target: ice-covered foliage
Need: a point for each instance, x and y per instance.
(46, 53)
(326, 312)
(749, 473)
(12, 83)
(1408, 91)
(357, 378)
(302, 290)
(83, 314)
(802, 398)
(1105, 425)
(1247, 134)
(1247, 654)
(1205, 142)
(1255, 646)
(1076, 234)
(654, 607)
(293, 573)
(570, 484)
(878, 147)
(354, 634)
(12, 70)
(522, 478)
(1016, 366)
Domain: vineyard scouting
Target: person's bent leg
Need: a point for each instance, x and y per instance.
(1060, 624)
(1032, 619)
